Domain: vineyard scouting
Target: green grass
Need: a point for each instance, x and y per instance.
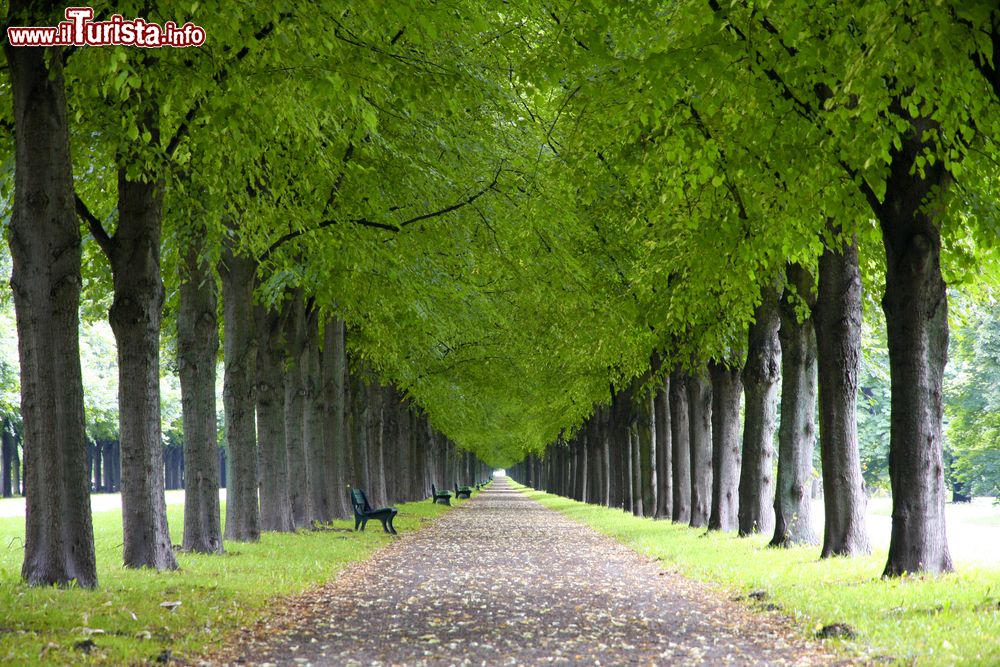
(218, 594)
(945, 620)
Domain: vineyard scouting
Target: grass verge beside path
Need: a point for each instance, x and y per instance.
(125, 620)
(945, 620)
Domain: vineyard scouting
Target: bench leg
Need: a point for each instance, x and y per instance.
(364, 522)
(392, 529)
(357, 522)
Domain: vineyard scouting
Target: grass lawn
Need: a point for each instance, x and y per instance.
(124, 619)
(945, 620)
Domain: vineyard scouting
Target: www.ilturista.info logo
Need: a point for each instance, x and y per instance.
(80, 30)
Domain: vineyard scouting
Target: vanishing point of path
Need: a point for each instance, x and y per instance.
(505, 581)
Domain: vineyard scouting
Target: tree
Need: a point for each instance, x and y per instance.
(44, 241)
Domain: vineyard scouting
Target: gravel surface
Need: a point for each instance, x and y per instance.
(502, 580)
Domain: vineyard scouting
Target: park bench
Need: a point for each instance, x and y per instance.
(463, 491)
(363, 512)
(443, 497)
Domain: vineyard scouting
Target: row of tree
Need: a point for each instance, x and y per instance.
(500, 211)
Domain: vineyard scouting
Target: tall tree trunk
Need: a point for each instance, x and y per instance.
(837, 317)
(359, 433)
(699, 390)
(645, 433)
(8, 445)
(44, 238)
(334, 432)
(664, 474)
(197, 349)
(916, 313)
(607, 478)
(761, 376)
(275, 483)
(376, 458)
(312, 422)
(726, 391)
(390, 442)
(632, 433)
(135, 316)
(680, 435)
(240, 356)
(797, 433)
(298, 467)
(98, 478)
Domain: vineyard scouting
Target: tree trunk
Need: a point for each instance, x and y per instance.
(726, 391)
(275, 483)
(240, 355)
(135, 316)
(44, 239)
(699, 390)
(390, 443)
(761, 376)
(359, 433)
(680, 435)
(334, 432)
(797, 433)
(298, 470)
(645, 435)
(916, 313)
(837, 317)
(8, 445)
(97, 480)
(197, 349)
(632, 433)
(376, 458)
(312, 422)
(664, 474)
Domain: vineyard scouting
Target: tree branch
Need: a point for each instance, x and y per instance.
(96, 228)
(185, 127)
(367, 222)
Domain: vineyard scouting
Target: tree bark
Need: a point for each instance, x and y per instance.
(837, 316)
(275, 483)
(359, 437)
(298, 470)
(335, 390)
(312, 422)
(699, 390)
(9, 443)
(135, 316)
(376, 454)
(761, 376)
(797, 433)
(44, 238)
(240, 356)
(916, 312)
(680, 435)
(664, 474)
(726, 391)
(645, 434)
(197, 349)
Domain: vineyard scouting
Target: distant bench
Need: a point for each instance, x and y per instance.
(443, 497)
(463, 491)
(363, 512)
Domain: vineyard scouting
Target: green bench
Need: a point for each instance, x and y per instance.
(443, 497)
(463, 491)
(363, 512)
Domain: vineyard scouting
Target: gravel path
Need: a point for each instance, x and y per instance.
(505, 581)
